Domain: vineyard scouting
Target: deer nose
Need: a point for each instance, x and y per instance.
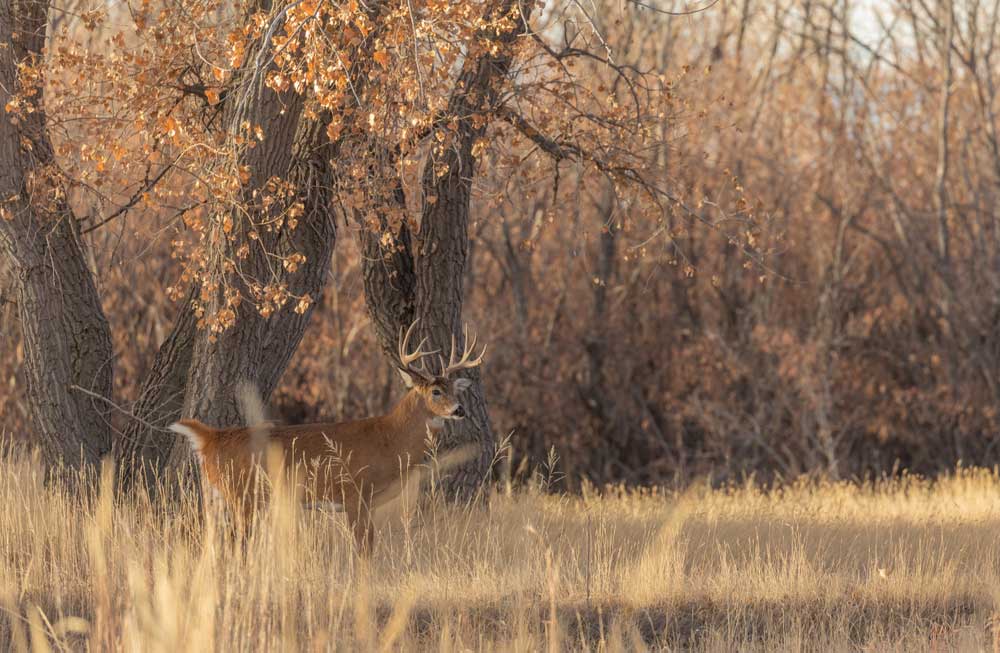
(459, 411)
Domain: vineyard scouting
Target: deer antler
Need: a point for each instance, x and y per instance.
(463, 362)
(406, 359)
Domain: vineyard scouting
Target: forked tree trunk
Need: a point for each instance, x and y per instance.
(195, 374)
(255, 348)
(298, 149)
(197, 377)
(437, 266)
(221, 361)
(67, 340)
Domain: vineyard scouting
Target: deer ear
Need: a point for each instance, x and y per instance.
(407, 377)
(462, 384)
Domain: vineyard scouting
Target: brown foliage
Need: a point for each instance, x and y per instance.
(760, 239)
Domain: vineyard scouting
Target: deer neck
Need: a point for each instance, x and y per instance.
(412, 418)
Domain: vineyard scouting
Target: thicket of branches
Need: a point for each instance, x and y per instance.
(760, 238)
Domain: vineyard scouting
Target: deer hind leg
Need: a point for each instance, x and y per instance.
(245, 499)
(218, 513)
(357, 505)
(237, 518)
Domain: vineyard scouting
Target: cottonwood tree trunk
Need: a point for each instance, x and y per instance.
(389, 280)
(255, 348)
(199, 376)
(298, 149)
(437, 261)
(67, 340)
(196, 373)
(221, 361)
(145, 445)
(196, 376)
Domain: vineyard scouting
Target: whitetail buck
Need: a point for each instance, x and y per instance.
(358, 464)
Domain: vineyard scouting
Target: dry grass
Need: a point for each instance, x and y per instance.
(906, 565)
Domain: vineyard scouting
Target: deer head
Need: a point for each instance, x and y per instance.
(439, 392)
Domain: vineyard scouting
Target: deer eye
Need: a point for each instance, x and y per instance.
(436, 392)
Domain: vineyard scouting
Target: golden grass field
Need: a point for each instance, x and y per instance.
(892, 566)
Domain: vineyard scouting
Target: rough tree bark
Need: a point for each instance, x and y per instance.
(144, 446)
(189, 357)
(437, 263)
(66, 336)
(389, 280)
(197, 377)
(221, 361)
(257, 349)
(297, 149)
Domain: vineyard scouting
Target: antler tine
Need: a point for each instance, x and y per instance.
(464, 362)
(451, 352)
(406, 359)
(404, 341)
